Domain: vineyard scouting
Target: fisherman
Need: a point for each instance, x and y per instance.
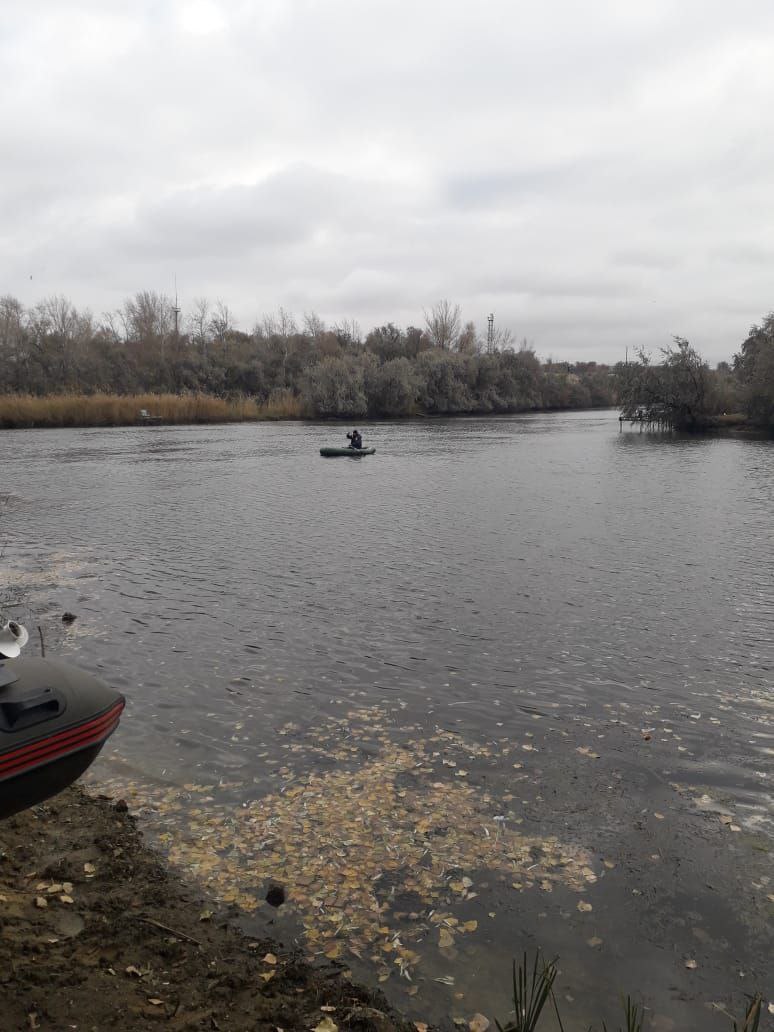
(355, 440)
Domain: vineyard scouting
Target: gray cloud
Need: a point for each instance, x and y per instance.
(597, 175)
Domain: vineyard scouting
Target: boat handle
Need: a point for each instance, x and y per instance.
(18, 713)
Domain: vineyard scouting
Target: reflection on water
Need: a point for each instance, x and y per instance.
(589, 612)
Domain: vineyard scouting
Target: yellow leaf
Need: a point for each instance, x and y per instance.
(445, 938)
(268, 975)
(478, 1023)
(326, 1025)
(691, 965)
(270, 959)
(155, 1001)
(470, 926)
(40, 902)
(584, 907)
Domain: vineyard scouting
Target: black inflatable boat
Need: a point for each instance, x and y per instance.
(54, 719)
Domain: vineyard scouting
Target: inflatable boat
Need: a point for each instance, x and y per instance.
(54, 719)
(332, 453)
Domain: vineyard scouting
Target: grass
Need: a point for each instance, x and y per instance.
(59, 410)
(534, 990)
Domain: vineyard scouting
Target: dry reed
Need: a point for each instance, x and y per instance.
(60, 410)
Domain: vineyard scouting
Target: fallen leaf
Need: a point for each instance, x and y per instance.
(327, 1008)
(594, 941)
(326, 1025)
(584, 907)
(66, 899)
(270, 959)
(89, 868)
(658, 816)
(691, 965)
(470, 926)
(155, 1001)
(268, 975)
(40, 902)
(132, 970)
(445, 938)
(478, 1023)
(420, 1026)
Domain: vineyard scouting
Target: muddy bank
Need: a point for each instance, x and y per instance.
(95, 933)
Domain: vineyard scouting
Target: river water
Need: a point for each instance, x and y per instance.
(505, 684)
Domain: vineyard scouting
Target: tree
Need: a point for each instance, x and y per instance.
(678, 392)
(443, 325)
(754, 368)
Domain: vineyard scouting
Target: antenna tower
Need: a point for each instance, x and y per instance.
(176, 310)
(490, 333)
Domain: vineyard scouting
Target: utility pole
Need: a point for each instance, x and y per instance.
(490, 334)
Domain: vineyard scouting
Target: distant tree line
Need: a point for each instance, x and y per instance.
(683, 393)
(443, 367)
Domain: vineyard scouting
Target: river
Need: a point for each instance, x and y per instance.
(507, 683)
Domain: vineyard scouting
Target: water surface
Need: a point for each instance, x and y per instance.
(554, 639)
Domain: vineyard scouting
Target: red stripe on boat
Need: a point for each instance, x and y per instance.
(61, 744)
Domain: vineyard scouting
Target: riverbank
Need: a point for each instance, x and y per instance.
(53, 411)
(97, 933)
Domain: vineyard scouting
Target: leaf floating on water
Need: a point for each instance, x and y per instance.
(691, 965)
(584, 750)
(337, 837)
(584, 907)
(658, 816)
(41, 902)
(89, 869)
(327, 1025)
(479, 1023)
(420, 1026)
(268, 975)
(155, 1001)
(594, 941)
(270, 958)
(445, 980)
(470, 926)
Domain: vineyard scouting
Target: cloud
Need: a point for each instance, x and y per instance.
(594, 174)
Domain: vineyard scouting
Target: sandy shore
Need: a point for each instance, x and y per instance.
(96, 933)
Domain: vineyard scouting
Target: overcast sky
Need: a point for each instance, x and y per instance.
(598, 175)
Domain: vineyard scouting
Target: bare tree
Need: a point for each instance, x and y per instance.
(199, 323)
(221, 324)
(148, 320)
(468, 342)
(314, 327)
(443, 324)
(348, 333)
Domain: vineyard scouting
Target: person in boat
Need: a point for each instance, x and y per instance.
(355, 440)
